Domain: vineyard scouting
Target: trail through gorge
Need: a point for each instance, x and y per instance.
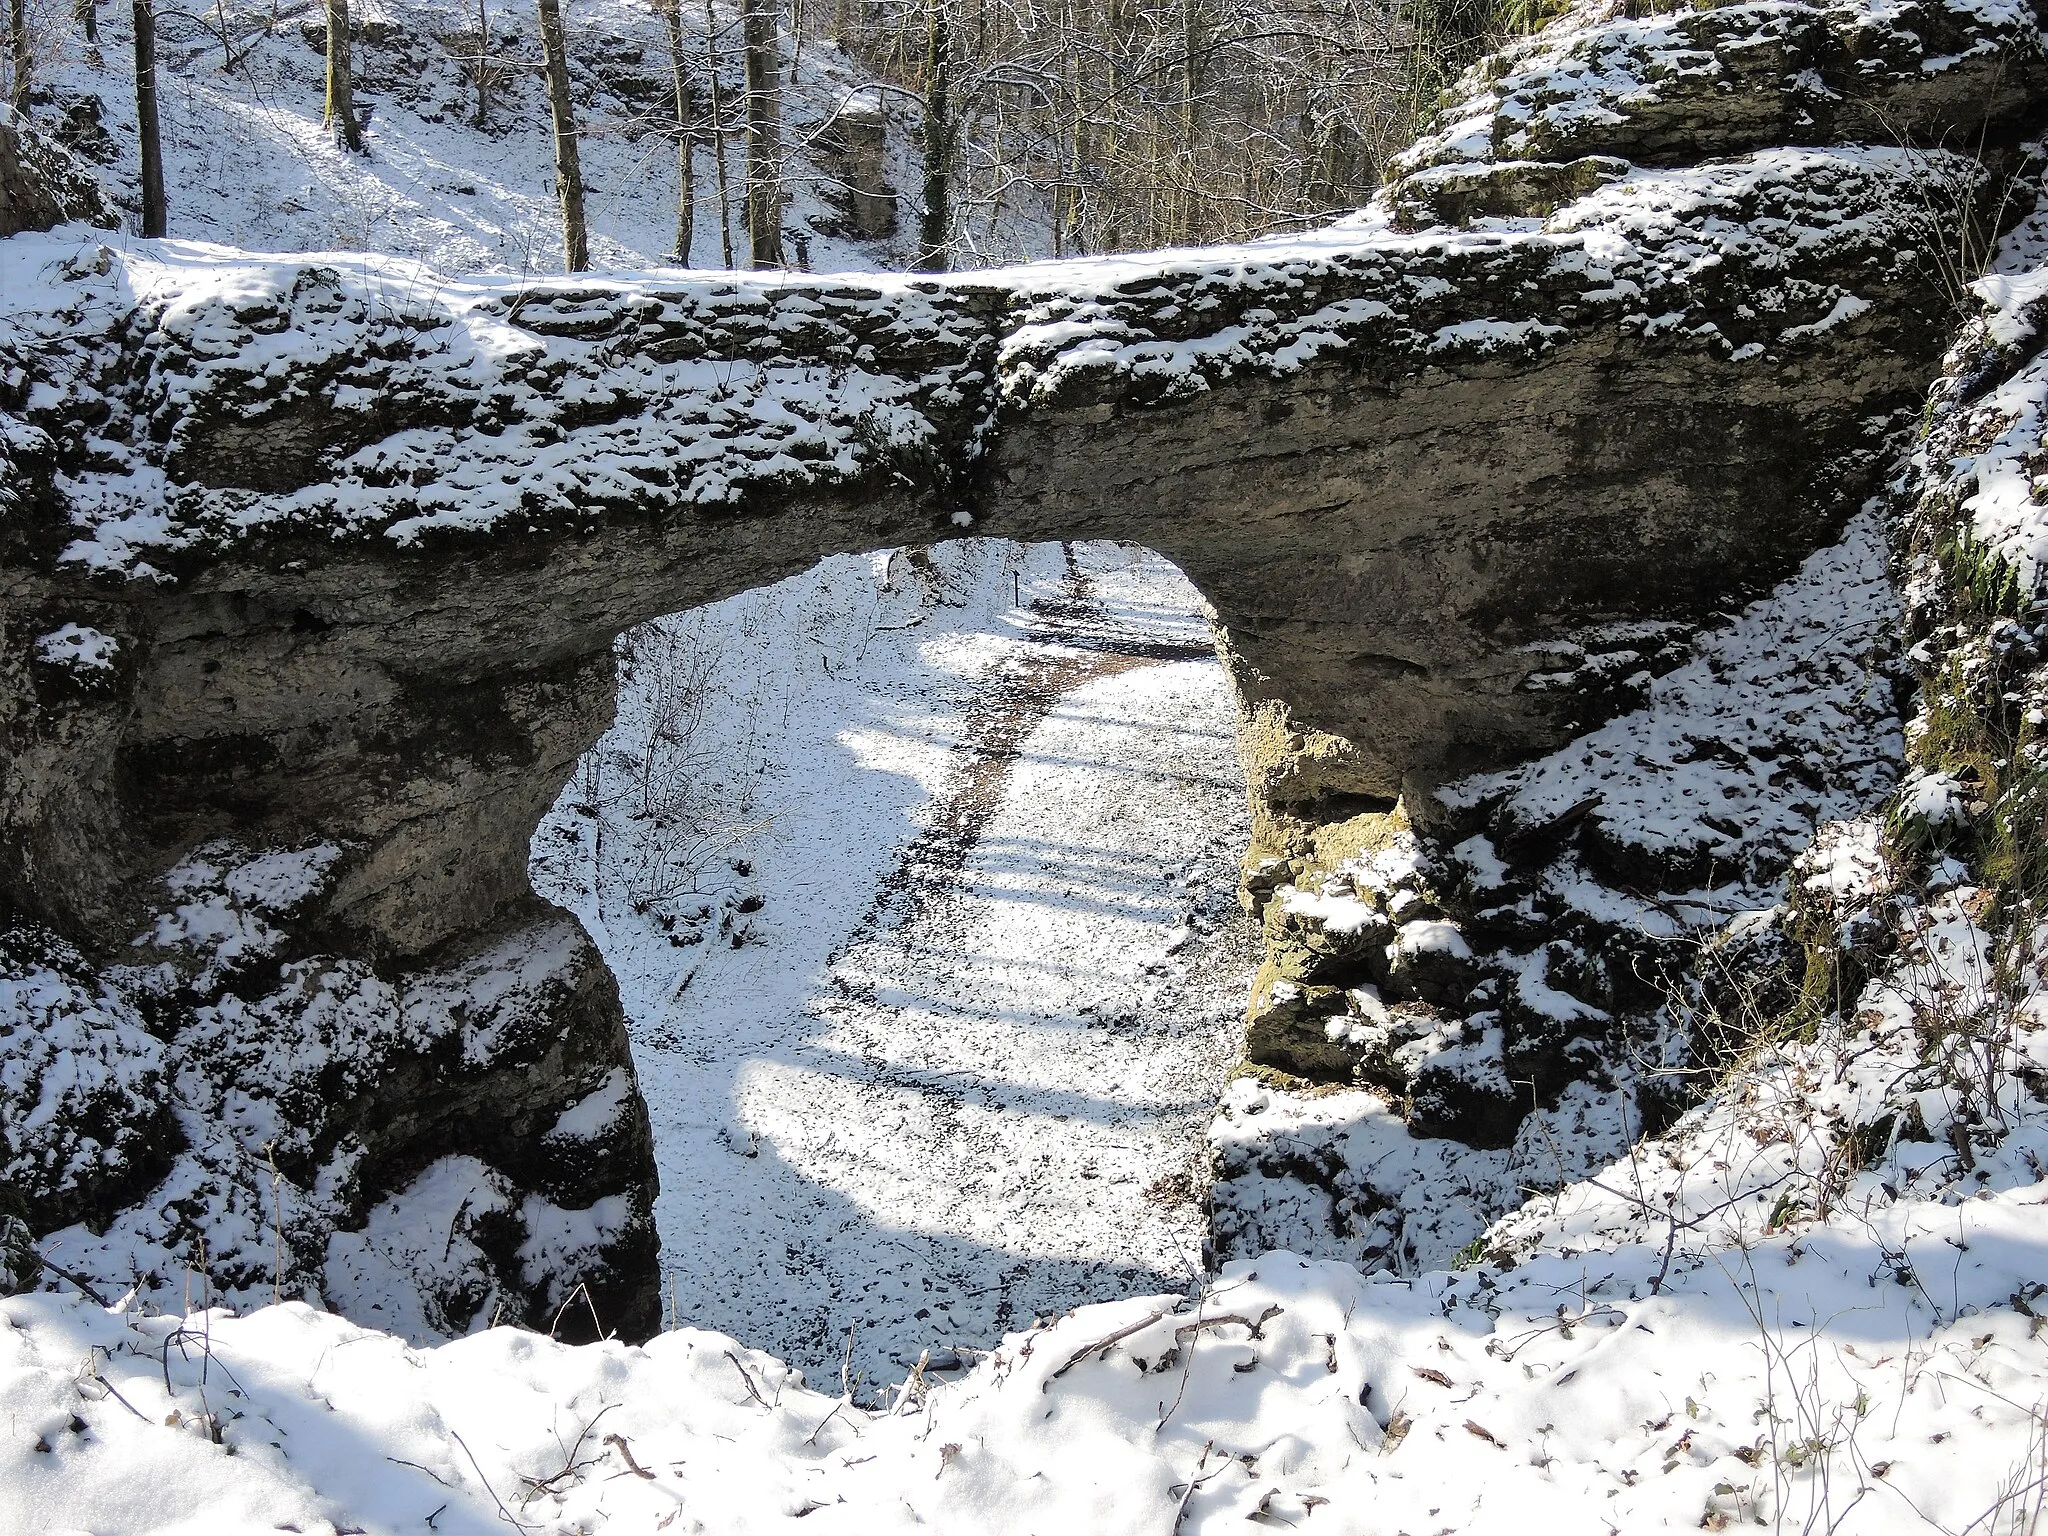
(958, 1075)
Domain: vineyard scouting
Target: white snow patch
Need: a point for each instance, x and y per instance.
(78, 647)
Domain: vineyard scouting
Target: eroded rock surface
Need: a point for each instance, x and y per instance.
(305, 555)
(41, 185)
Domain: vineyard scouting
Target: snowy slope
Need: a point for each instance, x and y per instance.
(247, 162)
(1740, 1362)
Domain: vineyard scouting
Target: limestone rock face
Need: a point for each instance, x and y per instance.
(855, 146)
(294, 557)
(42, 186)
(1692, 84)
(363, 548)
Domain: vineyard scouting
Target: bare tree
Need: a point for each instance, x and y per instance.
(941, 131)
(686, 130)
(568, 163)
(763, 57)
(340, 114)
(20, 55)
(718, 135)
(486, 74)
(149, 134)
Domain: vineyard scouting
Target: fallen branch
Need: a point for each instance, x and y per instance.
(1184, 1332)
(62, 1273)
(1104, 1345)
(1258, 1329)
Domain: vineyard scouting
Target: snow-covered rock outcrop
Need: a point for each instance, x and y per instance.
(1757, 858)
(359, 538)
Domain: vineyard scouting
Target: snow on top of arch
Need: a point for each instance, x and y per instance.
(506, 404)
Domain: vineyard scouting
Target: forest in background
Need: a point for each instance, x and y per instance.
(1040, 127)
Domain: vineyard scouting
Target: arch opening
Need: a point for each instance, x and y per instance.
(917, 872)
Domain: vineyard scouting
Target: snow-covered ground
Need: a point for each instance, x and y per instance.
(935, 979)
(1732, 1325)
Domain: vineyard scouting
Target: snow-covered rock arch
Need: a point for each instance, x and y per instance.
(312, 565)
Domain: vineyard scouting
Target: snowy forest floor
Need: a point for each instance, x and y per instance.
(935, 980)
(248, 163)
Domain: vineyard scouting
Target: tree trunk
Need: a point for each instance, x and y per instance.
(686, 132)
(935, 221)
(341, 93)
(483, 65)
(17, 26)
(568, 164)
(148, 133)
(87, 14)
(764, 135)
(1194, 44)
(718, 137)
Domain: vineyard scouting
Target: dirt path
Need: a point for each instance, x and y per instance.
(1075, 641)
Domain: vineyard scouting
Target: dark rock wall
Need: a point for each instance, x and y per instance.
(42, 186)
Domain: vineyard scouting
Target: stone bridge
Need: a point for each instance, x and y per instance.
(329, 553)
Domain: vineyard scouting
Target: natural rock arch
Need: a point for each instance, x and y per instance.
(1411, 474)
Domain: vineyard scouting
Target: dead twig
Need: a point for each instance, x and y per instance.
(812, 1437)
(752, 1391)
(1103, 1345)
(1195, 1481)
(618, 1441)
(400, 1461)
(538, 1485)
(569, 1301)
(509, 1518)
(93, 1372)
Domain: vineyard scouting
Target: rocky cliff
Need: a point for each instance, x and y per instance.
(310, 570)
